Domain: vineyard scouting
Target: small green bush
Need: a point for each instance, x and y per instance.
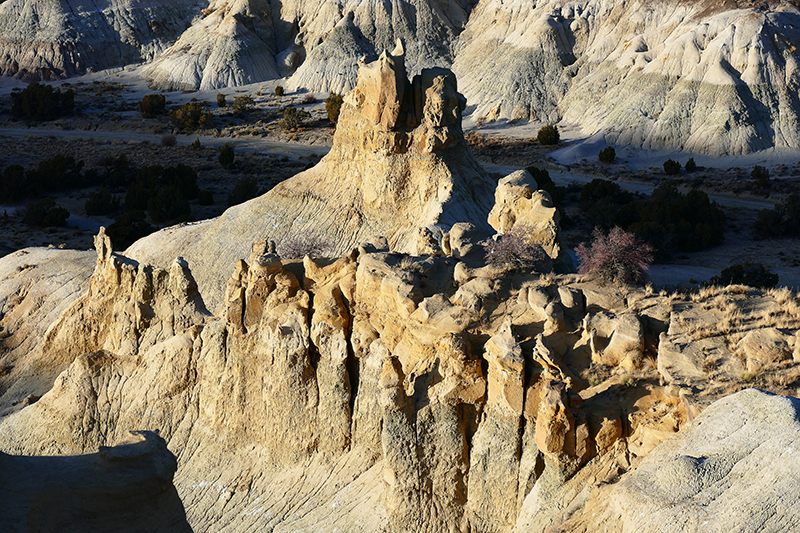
(751, 274)
(205, 197)
(760, 175)
(333, 105)
(226, 155)
(38, 101)
(196, 144)
(46, 213)
(101, 202)
(548, 135)
(245, 189)
(690, 165)
(191, 116)
(169, 204)
(14, 187)
(128, 229)
(153, 105)
(672, 167)
(294, 118)
(221, 101)
(243, 104)
(545, 183)
(279, 90)
(607, 155)
(782, 220)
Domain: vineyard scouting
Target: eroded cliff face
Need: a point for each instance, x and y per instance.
(385, 392)
(52, 40)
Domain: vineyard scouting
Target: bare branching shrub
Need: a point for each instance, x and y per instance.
(517, 248)
(619, 257)
(299, 244)
(168, 139)
(309, 98)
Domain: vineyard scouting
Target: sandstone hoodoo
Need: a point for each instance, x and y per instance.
(399, 169)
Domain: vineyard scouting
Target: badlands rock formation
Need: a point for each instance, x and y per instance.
(399, 169)
(42, 40)
(385, 392)
(719, 78)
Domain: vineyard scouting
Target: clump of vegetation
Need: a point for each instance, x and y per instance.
(548, 135)
(309, 98)
(781, 221)
(545, 183)
(303, 243)
(617, 257)
(672, 167)
(226, 155)
(41, 102)
(130, 227)
(191, 116)
(46, 213)
(221, 100)
(333, 105)
(669, 220)
(101, 202)
(152, 105)
(164, 192)
(204, 197)
(196, 144)
(751, 274)
(279, 91)
(607, 155)
(245, 189)
(168, 204)
(517, 248)
(760, 176)
(243, 104)
(168, 139)
(294, 118)
(690, 165)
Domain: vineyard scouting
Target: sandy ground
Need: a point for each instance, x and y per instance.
(107, 122)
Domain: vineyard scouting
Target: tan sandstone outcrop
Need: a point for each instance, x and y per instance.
(399, 164)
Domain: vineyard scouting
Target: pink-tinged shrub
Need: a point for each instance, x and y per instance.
(619, 257)
(300, 244)
(517, 248)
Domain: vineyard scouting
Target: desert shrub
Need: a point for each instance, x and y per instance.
(548, 135)
(221, 100)
(168, 139)
(117, 172)
(293, 118)
(38, 101)
(782, 220)
(151, 180)
(333, 105)
(616, 257)
(14, 187)
(59, 173)
(46, 213)
(517, 248)
(196, 144)
(152, 105)
(204, 197)
(130, 227)
(301, 243)
(545, 182)
(279, 90)
(243, 104)
(672, 167)
(690, 165)
(760, 176)
(191, 116)
(168, 204)
(309, 98)
(101, 202)
(751, 274)
(245, 189)
(226, 155)
(607, 155)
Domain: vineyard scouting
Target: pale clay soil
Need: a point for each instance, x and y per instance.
(107, 123)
